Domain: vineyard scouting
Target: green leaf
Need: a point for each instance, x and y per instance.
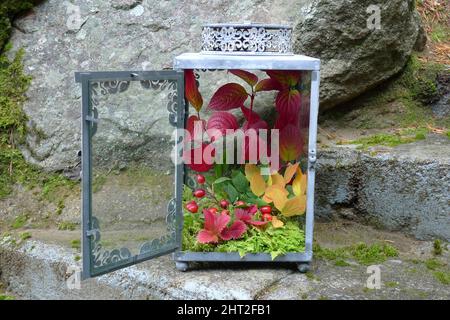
(218, 170)
(231, 191)
(221, 180)
(240, 181)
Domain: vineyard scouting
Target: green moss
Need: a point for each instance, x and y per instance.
(70, 226)
(440, 33)
(442, 276)
(341, 263)
(390, 140)
(60, 207)
(401, 102)
(9, 9)
(25, 236)
(19, 221)
(375, 253)
(437, 247)
(75, 244)
(433, 264)
(77, 258)
(361, 252)
(98, 182)
(276, 242)
(6, 297)
(55, 187)
(13, 86)
(391, 284)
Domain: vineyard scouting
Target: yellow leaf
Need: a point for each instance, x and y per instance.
(257, 184)
(278, 196)
(299, 184)
(277, 179)
(277, 223)
(250, 170)
(290, 171)
(294, 206)
(267, 199)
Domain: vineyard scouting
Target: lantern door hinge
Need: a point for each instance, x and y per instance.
(92, 232)
(92, 119)
(312, 159)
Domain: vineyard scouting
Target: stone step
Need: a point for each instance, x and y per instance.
(406, 188)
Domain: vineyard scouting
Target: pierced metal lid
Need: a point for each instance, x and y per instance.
(246, 38)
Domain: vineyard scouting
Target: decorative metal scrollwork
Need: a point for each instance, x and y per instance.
(172, 96)
(112, 87)
(107, 87)
(251, 38)
(156, 245)
(103, 257)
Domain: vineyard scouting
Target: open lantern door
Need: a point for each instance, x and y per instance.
(132, 181)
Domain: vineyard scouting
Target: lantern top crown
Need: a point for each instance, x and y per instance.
(246, 38)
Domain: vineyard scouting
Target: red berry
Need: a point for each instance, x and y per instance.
(199, 193)
(213, 210)
(227, 212)
(239, 203)
(192, 206)
(267, 217)
(200, 179)
(224, 203)
(266, 209)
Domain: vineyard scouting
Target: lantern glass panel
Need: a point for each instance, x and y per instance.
(262, 183)
(129, 171)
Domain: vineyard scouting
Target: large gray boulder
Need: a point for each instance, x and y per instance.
(61, 37)
(356, 52)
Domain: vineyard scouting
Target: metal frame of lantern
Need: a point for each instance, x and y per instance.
(269, 56)
(225, 46)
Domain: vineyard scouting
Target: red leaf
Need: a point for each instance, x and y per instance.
(248, 77)
(191, 90)
(255, 124)
(227, 97)
(253, 209)
(246, 216)
(268, 85)
(195, 127)
(252, 145)
(288, 102)
(288, 78)
(215, 223)
(258, 223)
(198, 160)
(205, 236)
(222, 120)
(243, 214)
(249, 114)
(236, 231)
(254, 121)
(291, 144)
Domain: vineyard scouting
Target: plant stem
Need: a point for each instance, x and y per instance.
(252, 99)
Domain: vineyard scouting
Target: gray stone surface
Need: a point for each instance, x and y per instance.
(61, 37)
(356, 58)
(37, 270)
(406, 188)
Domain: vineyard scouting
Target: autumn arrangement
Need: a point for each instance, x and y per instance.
(255, 203)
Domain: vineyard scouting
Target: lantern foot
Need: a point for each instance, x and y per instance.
(303, 267)
(181, 266)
